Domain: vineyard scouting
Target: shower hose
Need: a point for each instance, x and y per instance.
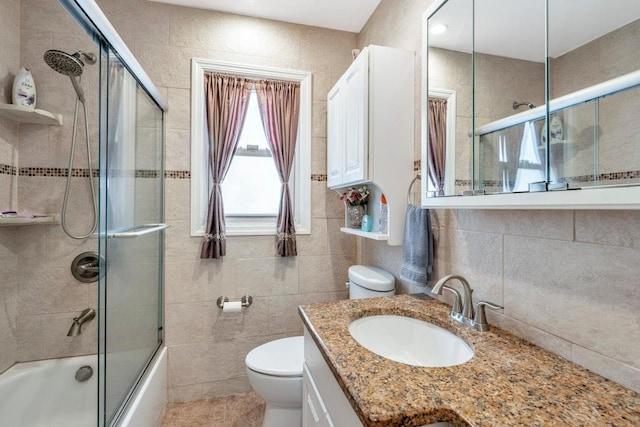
(63, 219)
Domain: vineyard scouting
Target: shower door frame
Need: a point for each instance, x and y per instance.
(89, 16)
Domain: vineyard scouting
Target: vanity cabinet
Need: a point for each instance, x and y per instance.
(370, 129)
(323, 402)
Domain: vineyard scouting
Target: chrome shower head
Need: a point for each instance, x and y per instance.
(69, 65)
(63, 63)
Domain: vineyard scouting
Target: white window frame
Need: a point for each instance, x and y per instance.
(301, 173)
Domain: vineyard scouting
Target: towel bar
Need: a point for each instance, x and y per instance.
(417, 177)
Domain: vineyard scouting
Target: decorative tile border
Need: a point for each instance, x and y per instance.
(8, 170)
(177, 174)
(56, 172)
(185, 174)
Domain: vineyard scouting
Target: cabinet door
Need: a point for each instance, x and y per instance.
(335, 135)
(356, 113)
(313, 411)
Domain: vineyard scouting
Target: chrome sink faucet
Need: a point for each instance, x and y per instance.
(465, 314)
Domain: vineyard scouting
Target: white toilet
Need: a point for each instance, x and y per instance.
(275, 368)
(367, 282)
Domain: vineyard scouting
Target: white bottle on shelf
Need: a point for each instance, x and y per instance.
(383, 221)
(24, 89)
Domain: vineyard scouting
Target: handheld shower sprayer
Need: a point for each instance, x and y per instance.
(72, 65)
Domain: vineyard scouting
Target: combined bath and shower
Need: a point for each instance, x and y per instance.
(72, 65)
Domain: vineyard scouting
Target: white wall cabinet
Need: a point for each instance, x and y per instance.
(370, 129)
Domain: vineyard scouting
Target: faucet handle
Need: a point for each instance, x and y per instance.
(456, 306)
(480, 318)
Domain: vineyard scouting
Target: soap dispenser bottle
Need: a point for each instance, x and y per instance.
(24, 89)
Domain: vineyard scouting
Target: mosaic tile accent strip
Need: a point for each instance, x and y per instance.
(147, 173)
(177, 174)
(8, 170)
(319, 177)
(56, 172)
(417, 165)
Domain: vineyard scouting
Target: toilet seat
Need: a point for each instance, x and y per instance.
(281, 358)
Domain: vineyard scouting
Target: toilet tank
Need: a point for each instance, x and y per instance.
(366, 282)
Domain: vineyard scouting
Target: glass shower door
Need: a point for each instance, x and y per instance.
(131, 235)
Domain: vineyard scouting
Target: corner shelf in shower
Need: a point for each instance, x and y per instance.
(39, 220)
(29, 115)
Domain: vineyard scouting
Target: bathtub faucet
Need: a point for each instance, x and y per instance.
(76, 327)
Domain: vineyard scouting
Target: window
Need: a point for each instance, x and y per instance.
(250, 213)
(252, 164)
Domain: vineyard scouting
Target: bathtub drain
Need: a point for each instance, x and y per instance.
(84, 373)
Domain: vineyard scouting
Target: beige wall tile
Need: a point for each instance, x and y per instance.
(178, 150)
(324, 273)
(316, 243)
(167, 66)
(201, 362)
(588, 302)
(477, 257)
(194, 28)
(261, 37)
(267, 276)
(45, 337)
(534, 223)
(179, 116)
(177, 199)
(252, 321)
(614, 228)
(184, 323)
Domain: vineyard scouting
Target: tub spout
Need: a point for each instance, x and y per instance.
(76, 326)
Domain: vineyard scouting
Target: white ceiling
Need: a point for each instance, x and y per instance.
(345, 15)
(515, 28)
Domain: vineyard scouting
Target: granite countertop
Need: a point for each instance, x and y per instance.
(508, 382)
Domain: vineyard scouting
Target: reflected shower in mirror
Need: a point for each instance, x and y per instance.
(510, 82)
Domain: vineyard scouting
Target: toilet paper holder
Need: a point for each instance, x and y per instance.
(245, 301)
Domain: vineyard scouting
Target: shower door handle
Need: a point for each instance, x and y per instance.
(139, 231)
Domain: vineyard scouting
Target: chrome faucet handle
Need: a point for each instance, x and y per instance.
(480, 319)
(456, 306)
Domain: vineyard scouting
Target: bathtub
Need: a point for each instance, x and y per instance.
(45, 393)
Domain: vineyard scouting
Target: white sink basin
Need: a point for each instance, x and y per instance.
(410, 341)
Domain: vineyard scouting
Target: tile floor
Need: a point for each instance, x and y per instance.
(241, 410)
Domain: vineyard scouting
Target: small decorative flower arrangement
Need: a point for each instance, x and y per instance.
(356, 196)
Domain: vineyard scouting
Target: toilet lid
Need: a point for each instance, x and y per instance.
(282, 358)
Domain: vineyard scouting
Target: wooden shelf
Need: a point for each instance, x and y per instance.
(40, 220)
(367, 234)
(29, 115)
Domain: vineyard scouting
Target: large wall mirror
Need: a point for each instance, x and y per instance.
(548, 93)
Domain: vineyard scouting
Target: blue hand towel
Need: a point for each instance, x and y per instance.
(417, 248)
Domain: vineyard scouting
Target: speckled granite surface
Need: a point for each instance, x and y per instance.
(508, 382)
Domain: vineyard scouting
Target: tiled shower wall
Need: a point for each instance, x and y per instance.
(9, 65)
(567, 279)
(207, 348)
